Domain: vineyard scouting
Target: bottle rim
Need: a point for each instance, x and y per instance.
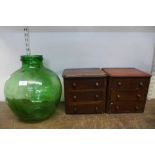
(31, 57)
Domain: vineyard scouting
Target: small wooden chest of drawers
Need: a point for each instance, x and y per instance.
(85, 90)
(126, 90)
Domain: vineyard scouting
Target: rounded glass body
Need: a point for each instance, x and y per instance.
(33, 91)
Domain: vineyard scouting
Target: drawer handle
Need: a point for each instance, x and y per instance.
(117, 107)
(139, 95)
(118, 96)
(96, 108)
(74, 97)
(74, 85)
(97, 96)
(119, 83)
(96, 84)
(75, 109)
(137, 107)
(111, 103)
(141, 84)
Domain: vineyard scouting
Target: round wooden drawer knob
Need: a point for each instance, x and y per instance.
(96, 84)
(74, 97)
(117, 107)
(118, 96)
(74, 85)
(139, 95)
(141, 84)
(97, 96)
(75, 109)
(119, 83)
(137, 107)
(96, 108)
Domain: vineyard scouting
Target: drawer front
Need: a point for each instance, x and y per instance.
(129, 83)
(133, 107)
(86, 108)
(85, 83)
(128, 95)
(81, 96)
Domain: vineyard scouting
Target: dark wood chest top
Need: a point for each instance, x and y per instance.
(125, 72)
(83, 72)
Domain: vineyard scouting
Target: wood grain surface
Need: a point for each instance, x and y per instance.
(125, 72)
(83, 72)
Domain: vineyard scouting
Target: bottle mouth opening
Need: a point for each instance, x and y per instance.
(31, 57)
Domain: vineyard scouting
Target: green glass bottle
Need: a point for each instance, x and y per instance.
(33, 91)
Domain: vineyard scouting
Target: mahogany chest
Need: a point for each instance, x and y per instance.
(126, 90)
(85, 90)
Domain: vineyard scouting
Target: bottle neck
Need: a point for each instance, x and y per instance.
(32, 64)
(31, 61)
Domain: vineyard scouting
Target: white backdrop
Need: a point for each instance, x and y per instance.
(69, 47)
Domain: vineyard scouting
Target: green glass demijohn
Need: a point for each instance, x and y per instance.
(33, 91)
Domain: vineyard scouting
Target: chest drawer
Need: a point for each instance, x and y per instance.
(85, 83)
(128, 95)
(127, 107)
(129, 83)
(80, 96)
(89, 108)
